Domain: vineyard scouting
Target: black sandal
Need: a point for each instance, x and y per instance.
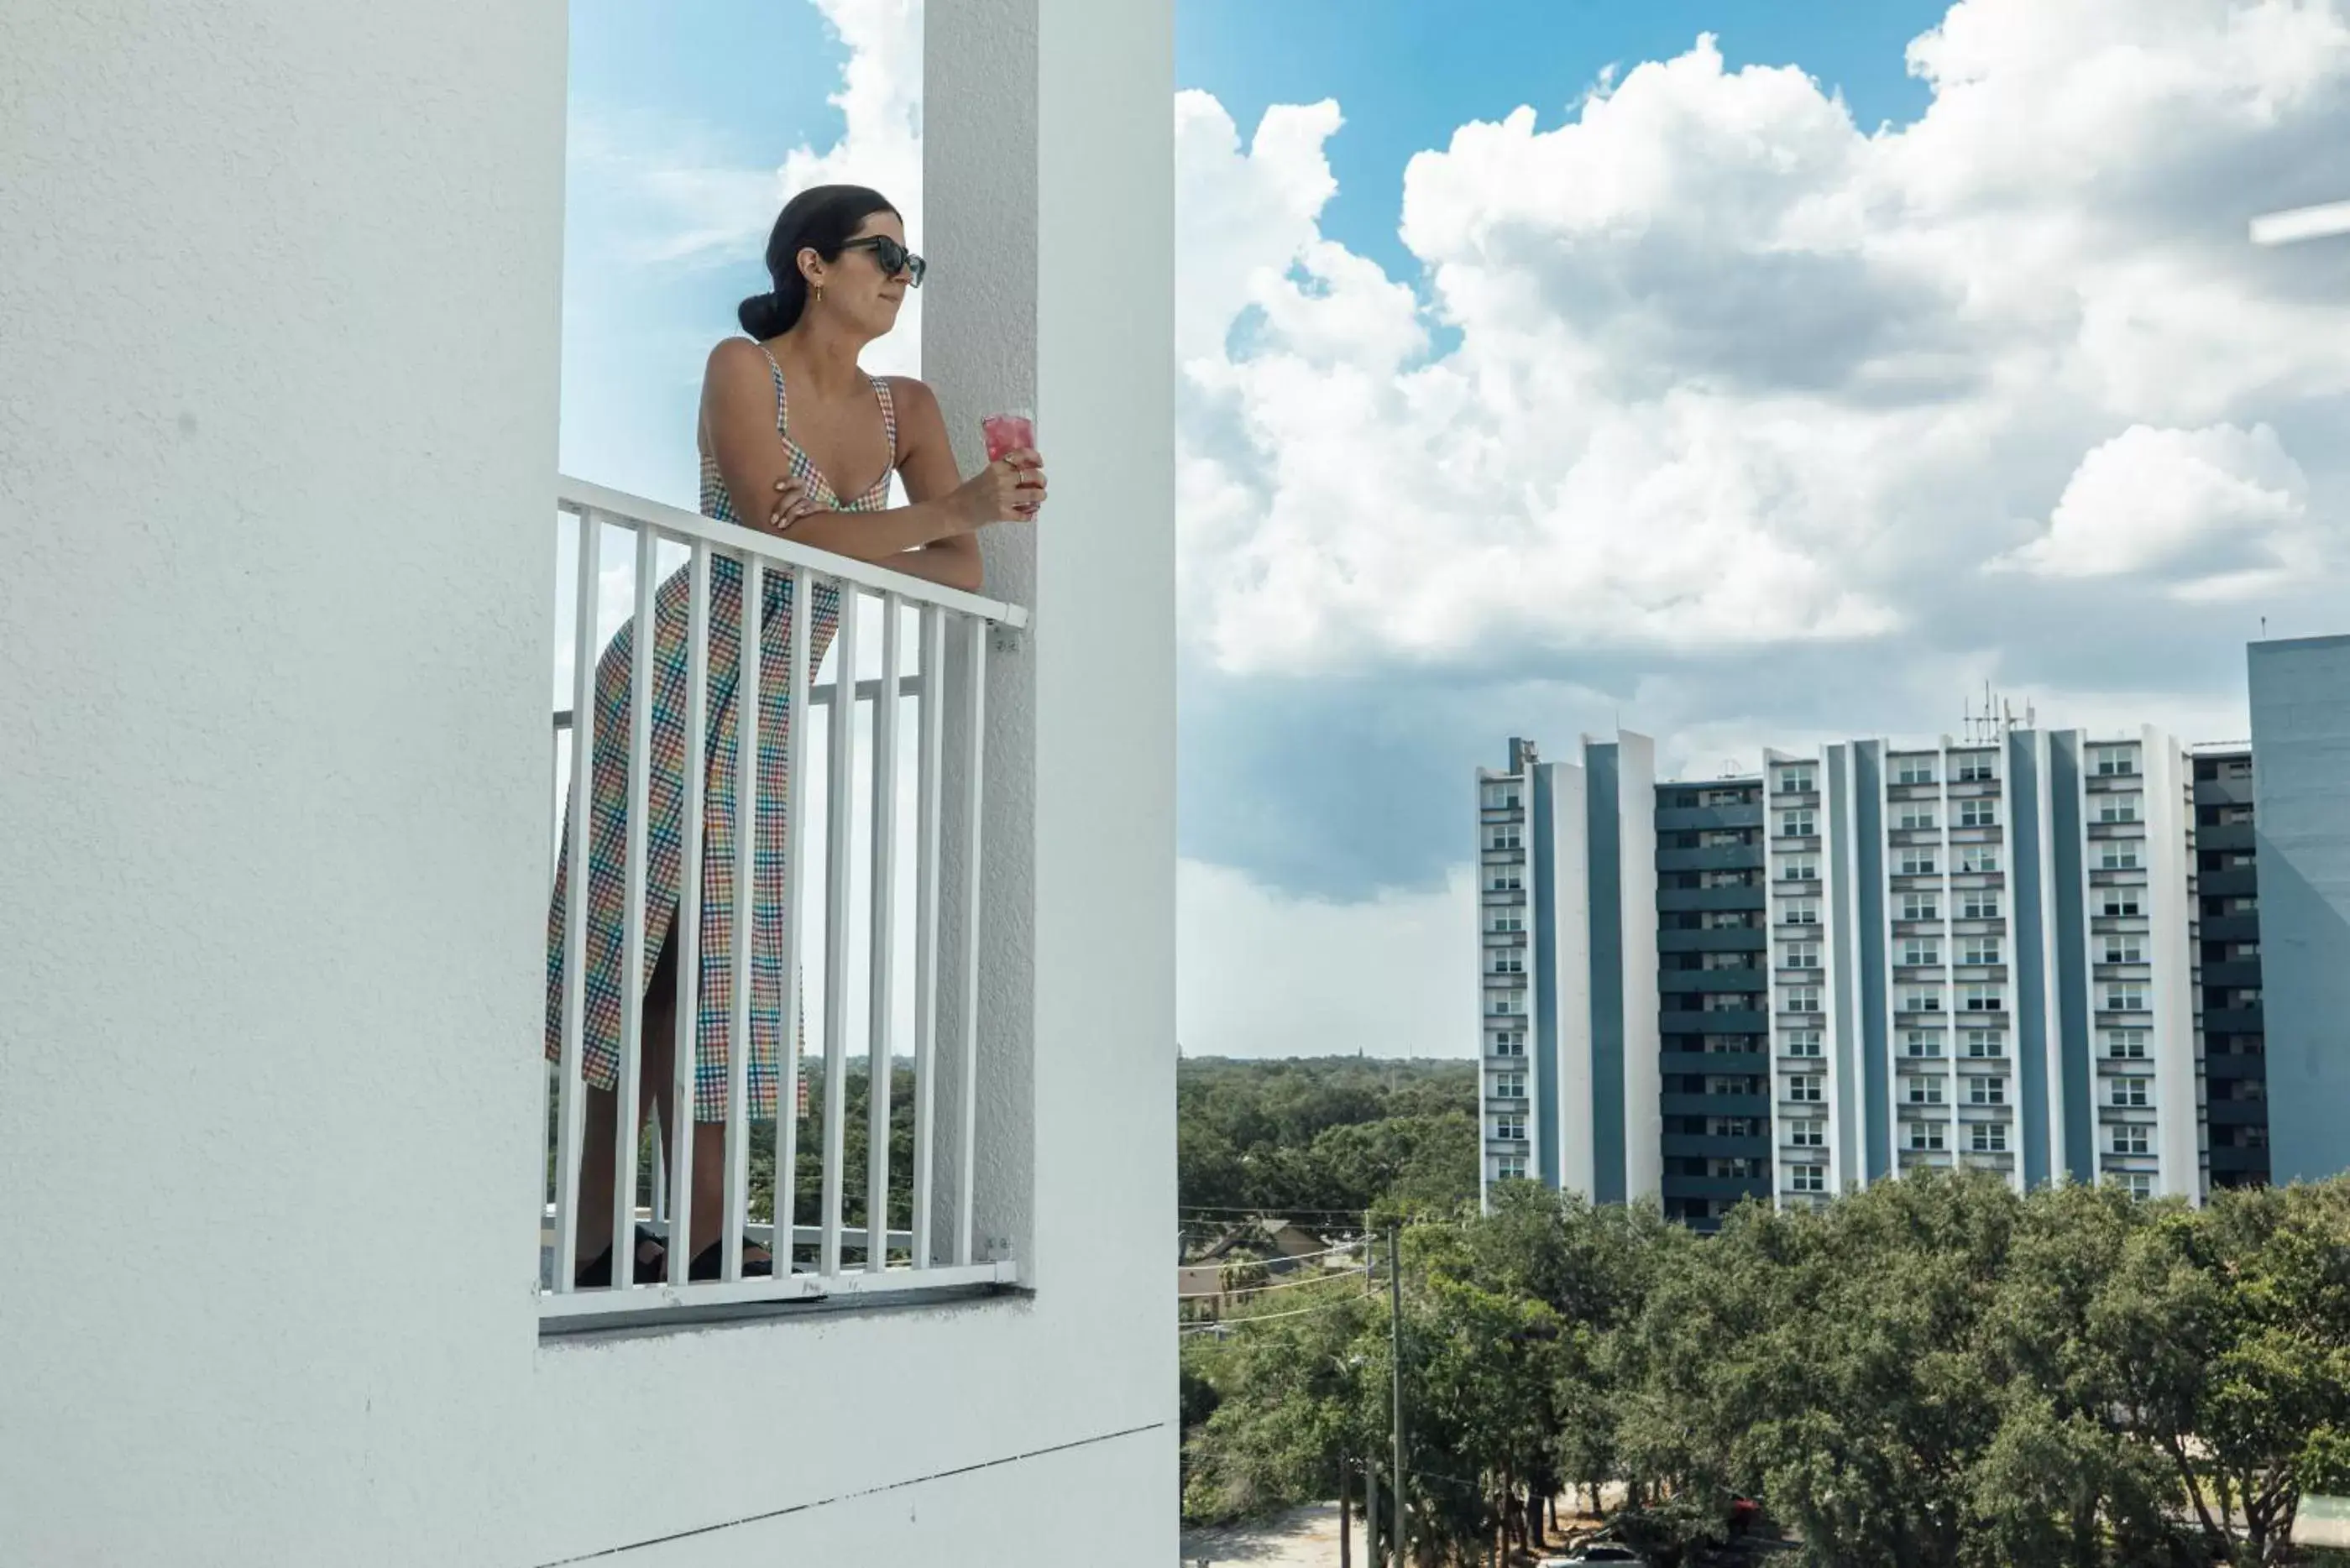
(705, 1263)
(597, 1273)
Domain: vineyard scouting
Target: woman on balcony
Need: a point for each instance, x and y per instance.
(786, 412)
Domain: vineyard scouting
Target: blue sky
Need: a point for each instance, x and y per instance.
(1736, 405)
(1409, 73)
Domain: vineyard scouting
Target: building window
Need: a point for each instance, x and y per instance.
(1979, 812)
(1797, 823)
(1799, 869)
(1921, 953)
(1808, 1177)
(1510, 1167)
(1726, 1083)
(1509, 1042)
(1978, 858)
(1920, 999)
(1926, 1137)
(1976, 768)
(1509, 960)
(2118, 855)
(1504, 879)
(1921, 906)
(1914, 771)
(1914, 817)
(1978, 950)
(1921, 1041)
(1509, 1086)
(1979, 904)
(1802, 999)
(1916, 863)
(2125, 949)
(2121, 902)
(1808, 1134)
(2136, 1093)
(1506, 921)
(1504, 837)
(1511, 1129)
(2126, 996)
(1501, 796)
(2137, 1183)
(1988, 1138)
(1805, 1087)
(2118, 807)
(1986, 1091)
(2125, 1044)
(1509, 1001)
(1922, 1091)
(1797, 780)
(1802, 1042)
(1802, 955)
(2113, 762)
(2129, 1138)
(1985, 1043)
(1983, 998)
(1800, 912)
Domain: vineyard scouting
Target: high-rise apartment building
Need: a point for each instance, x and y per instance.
(2036, 952)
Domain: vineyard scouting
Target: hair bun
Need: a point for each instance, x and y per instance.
(761, 316)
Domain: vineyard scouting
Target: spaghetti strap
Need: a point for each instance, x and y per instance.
(888, 419)
(783, 423)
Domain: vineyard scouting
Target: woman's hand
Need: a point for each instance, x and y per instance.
(793, 503)
(1008, 490)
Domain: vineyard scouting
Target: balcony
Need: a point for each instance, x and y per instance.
(1683, 899)
(1724, 939)
(2223, 792)
(2231, 927)
(874, 852)
(300, 767)
(1715, 857)
(1700, 819)
(2224, 836)
(2233, 882)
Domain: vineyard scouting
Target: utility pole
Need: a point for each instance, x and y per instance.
(1345, 1505)
(1395, 1339)
(1372, 1513)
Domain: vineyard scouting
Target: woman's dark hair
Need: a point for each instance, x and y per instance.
(822, 219)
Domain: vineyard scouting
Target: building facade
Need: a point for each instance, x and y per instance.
(2035, 952)
(2301, 842)
(272, 1095)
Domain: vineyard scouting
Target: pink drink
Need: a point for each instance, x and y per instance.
(1008, 433)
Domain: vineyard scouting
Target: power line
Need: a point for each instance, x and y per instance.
(1264, 1211)
(1354, 1246)
(1269, 1316)
(1260, 1290)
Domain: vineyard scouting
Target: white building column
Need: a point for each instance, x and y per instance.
(1635, 805)
(2163, 765)
(1050, 222)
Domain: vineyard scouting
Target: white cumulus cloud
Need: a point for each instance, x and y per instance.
(2218, 513)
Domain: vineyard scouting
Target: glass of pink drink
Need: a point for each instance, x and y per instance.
(1008, 433)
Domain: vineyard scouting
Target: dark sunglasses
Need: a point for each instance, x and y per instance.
(894, 257)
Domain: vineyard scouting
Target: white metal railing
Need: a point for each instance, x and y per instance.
(935, 1251)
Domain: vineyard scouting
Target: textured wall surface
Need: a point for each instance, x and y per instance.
(277, 442)
(2300, 757)
(276, 430)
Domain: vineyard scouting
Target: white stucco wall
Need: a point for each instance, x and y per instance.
(277, 442)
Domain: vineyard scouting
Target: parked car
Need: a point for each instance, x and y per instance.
(1598, 1551)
